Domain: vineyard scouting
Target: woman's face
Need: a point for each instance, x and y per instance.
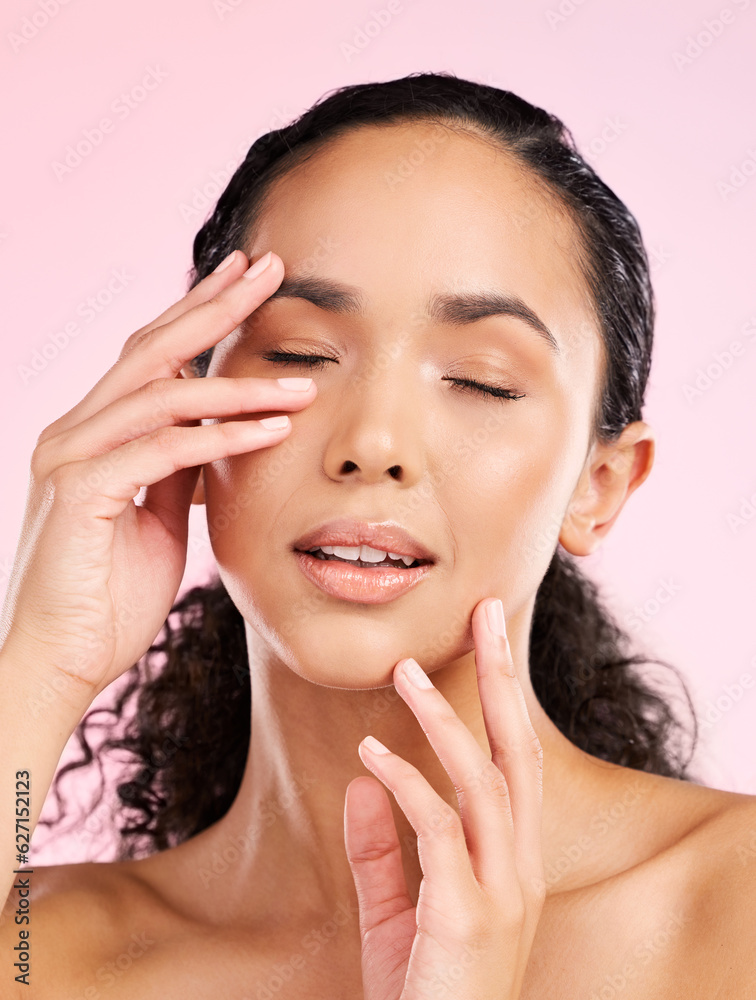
(404, 213)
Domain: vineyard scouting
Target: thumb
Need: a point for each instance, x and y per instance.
(374, 853)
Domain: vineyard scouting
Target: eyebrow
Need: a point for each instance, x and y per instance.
(455, 310)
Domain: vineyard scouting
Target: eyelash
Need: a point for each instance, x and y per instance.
(470, 385)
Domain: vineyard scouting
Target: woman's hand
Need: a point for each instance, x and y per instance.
(96, 574)
(483, 887)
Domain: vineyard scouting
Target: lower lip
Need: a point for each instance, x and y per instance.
(357, 583)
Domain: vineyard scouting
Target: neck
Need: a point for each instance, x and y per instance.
(285, 828)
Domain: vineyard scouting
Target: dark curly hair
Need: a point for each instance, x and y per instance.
(192, 687)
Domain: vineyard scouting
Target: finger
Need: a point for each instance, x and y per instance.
(164, 350)
(235, 265)
(107, 483)
(374, 853)
(441, 846)
(515, 747)
(163, 402)
(481, 788)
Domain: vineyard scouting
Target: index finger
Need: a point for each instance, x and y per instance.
(227, 271)
(515, 747)
(222, 300)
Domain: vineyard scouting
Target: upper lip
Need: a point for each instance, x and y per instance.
(387, 536)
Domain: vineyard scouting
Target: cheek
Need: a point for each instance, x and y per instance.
(245, 495)
(506, 497)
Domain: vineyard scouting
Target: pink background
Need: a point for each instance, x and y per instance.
(672, 133)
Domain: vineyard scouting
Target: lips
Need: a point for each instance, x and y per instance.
(388, 536)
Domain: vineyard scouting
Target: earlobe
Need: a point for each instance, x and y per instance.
(614, 472)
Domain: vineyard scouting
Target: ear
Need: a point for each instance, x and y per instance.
(611, 473)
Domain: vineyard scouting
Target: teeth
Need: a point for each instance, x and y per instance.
(365, 553)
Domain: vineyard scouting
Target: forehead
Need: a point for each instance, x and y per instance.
(406, 210)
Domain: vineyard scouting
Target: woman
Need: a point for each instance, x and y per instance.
(473, 308)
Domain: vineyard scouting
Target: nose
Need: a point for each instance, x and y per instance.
(378, 432)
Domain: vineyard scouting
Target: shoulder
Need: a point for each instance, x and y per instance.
(80, 916)
(723, 931)
(692, 902)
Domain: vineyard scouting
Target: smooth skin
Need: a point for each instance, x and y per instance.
(487, 914)
(483, 884)
(623, 854)
(139, 426)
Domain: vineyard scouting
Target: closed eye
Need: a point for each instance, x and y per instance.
(465, 385)
(281, 358)
(470, 385)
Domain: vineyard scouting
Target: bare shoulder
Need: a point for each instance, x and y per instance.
(86, 920)
(722, 933)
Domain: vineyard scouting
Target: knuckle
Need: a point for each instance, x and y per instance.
(157, 386)
(503, 753)
(443, 819)
(47, 433)
(494, 782)
(140, 338)
(219, 309)
(40, 464)
(167, 438)
(61, 481)
(507, 668)
(535, 749)
(471, 928)
(528, 747)
(159, 391)
(516, 910)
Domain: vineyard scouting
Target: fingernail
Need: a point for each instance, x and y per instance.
(298, 384)
(275, 423)
(259, 266)
(375, 745)
(495, 617)
(416, 675)
(225, 262)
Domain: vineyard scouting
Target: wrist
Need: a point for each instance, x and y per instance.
(42, 692)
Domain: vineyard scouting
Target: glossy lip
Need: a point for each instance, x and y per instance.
(387, 536)
(360, 584)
